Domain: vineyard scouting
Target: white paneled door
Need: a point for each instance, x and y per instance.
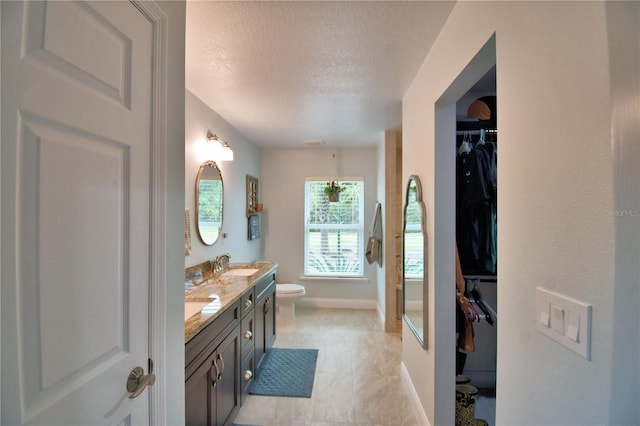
(77, 95)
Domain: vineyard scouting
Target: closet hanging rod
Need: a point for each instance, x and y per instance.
(474, 132)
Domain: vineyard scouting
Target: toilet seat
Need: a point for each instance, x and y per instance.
(289, 289)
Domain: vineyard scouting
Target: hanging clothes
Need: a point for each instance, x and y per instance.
(464, 325)
(476, 193)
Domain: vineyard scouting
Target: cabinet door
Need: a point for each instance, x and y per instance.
(259, 336)
(228, 382)
(265, 334)
(270, 320)
(199, 394)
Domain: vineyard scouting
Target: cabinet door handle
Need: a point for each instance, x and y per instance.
(248, 334)
(221, 368)
(248, 303)
(266, 305)
(215, 377)
(248, 375)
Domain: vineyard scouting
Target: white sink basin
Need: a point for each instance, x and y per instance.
(192, 308)
(240, 272)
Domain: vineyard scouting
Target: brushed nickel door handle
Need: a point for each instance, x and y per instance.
(137, 382)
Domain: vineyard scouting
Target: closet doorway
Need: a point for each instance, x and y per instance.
(452, 119)
(476, 240)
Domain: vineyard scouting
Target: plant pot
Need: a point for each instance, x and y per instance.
(334, 197)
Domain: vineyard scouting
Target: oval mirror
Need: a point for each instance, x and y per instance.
(209, 201)
(414, 295)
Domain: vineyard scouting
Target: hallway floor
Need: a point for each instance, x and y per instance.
(357, 376)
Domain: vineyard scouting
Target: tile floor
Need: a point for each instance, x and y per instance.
(357, 375)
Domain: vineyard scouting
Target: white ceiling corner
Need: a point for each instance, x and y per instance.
(287, 71)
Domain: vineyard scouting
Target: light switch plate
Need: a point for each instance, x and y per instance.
(570, 320)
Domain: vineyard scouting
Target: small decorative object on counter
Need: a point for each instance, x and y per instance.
(333, 189)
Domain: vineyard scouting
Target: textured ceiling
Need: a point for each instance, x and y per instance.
(285, 72)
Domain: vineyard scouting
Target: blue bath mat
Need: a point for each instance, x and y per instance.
(286, 372)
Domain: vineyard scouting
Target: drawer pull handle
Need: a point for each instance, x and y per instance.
(248, 334)
(248, 375)
(248, 303)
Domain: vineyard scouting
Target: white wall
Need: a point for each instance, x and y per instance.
(283, 174)
(171, 361)
(199, 118)
(624, 43)
(555, 183)
(380, 269)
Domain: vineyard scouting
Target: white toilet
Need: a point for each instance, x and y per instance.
(286, 297)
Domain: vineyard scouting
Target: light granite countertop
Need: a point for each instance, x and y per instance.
(219, 293)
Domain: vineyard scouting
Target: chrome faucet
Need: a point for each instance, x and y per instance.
(221, 263)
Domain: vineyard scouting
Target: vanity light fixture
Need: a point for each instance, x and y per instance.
(220, 148)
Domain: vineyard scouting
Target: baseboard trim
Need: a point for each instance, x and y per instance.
(421, 416)
(319, 302)
(381, 316)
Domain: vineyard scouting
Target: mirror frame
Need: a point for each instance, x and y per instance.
(203, 166)
(422, 338)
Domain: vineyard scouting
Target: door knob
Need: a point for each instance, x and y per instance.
(138, 381)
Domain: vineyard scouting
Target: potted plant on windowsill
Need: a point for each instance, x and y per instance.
(333, 189)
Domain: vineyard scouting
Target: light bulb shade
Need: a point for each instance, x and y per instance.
(225, 153)
(219, 150)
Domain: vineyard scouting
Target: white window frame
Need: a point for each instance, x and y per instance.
(359, 228)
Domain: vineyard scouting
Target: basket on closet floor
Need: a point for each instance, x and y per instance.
(466, 396)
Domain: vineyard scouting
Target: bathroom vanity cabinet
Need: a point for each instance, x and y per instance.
(223, 356)
(212, 387)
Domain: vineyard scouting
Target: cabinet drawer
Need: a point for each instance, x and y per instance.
(247, 372)
(247, 334)
(210, 337)
(263, 286)
(247, 301)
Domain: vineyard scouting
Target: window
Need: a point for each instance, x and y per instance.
(334, 231)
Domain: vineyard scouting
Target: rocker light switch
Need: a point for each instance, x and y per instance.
(545, 307)
(573, 326)
(557, 319)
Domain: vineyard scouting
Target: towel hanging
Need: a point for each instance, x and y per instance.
(373, 251)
